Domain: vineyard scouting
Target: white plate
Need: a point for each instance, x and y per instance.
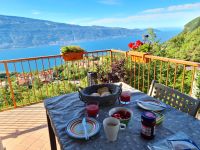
(152, 105)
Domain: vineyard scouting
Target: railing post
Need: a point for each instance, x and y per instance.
(192, 82)
(10, 84)
(111, 57)
(126, 54)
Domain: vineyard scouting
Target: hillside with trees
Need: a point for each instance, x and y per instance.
(185, 45)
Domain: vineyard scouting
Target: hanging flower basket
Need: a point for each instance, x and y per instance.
(72, 56)
(139, 57)
(70, 53)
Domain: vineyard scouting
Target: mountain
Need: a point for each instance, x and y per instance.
(185, 45)
(192, 25)
(18, 32)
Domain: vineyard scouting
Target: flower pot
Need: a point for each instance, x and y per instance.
(139, 57)
(70, 56)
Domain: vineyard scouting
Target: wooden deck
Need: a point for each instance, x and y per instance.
(25, 128)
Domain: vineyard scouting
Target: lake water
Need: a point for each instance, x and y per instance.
(110, 43)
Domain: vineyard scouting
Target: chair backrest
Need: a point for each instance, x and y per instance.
(174, 98)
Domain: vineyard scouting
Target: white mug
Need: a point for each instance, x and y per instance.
(111, 128)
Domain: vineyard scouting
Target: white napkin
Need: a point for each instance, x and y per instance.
(178, 141)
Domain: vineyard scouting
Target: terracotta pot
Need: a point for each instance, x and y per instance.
(139, 57)
(73, 56)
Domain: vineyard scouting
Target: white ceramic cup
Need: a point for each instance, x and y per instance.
(111, 128)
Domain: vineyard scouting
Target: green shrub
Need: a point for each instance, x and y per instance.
(71, 48)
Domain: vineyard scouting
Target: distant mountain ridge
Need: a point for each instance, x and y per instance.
(19, 32)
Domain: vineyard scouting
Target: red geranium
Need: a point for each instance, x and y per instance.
(131, 45)
(135, 45)
(138, 43)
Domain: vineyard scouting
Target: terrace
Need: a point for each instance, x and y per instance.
(24, 126)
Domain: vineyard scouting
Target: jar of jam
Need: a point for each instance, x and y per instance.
(148, 121)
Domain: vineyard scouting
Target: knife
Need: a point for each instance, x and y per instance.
(85, 128)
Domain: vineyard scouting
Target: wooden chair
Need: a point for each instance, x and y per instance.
(174, 98)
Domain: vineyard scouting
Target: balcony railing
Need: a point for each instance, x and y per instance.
(30, 80)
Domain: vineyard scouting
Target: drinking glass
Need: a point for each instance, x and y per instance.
(125, 97)
(92, 109)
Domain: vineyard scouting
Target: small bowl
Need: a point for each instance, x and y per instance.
(159, 117)
(118, 109)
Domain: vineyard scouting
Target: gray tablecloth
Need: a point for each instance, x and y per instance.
(65, 107)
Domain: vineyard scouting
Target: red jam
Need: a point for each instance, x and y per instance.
(122, 114)
(148, 120)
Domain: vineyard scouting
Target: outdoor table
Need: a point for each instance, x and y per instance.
(63, 108)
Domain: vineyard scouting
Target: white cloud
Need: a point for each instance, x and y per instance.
(171, 16)
(183, 7)
(36, 12)
(109, 2)
(156, 10)
(169, 19)
(128, 19)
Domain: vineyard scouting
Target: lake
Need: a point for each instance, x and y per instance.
(120, 43)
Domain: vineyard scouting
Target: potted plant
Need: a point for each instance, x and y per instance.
(138, 51)
(72, 52)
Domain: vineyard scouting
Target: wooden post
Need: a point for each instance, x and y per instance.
(192, 82)
(10, 84)
(111, 57)
(51, 134)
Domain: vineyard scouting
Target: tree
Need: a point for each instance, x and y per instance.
(152, 35)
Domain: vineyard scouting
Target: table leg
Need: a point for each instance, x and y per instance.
(51, 134)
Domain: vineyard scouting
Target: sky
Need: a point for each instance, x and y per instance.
(111, 13)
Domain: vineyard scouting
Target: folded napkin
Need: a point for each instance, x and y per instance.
(178, 141)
